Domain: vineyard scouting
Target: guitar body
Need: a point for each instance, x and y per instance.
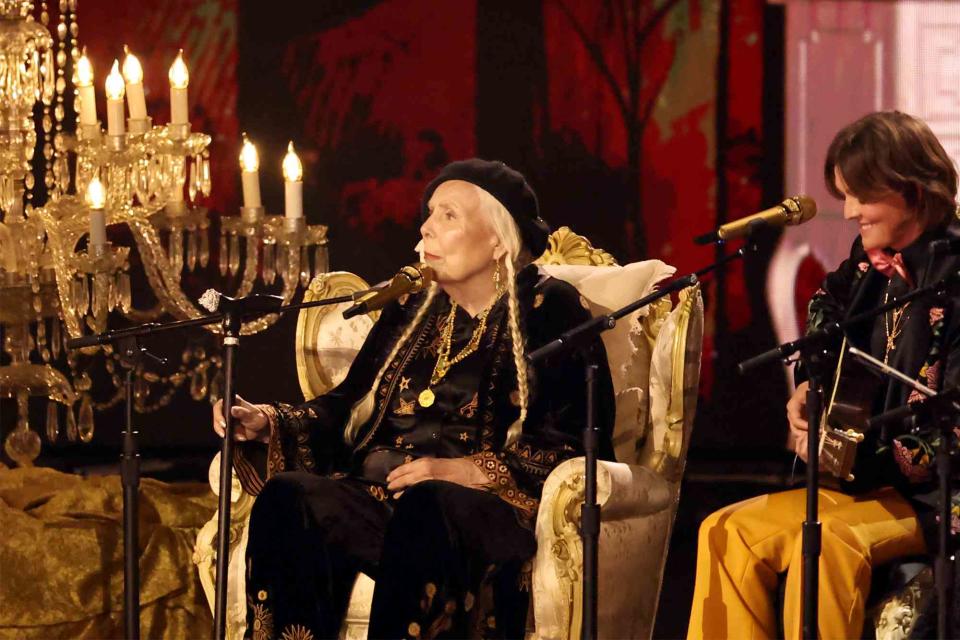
(844, 422)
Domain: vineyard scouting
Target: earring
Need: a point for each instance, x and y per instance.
(498, 285)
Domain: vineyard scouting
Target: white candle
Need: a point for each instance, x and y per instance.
(115, 90)
(179, 79)
(88, 100)
(292, 184)
(133, 76)
(250, 174)
(96, 199)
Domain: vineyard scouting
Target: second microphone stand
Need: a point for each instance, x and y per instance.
(590, 512)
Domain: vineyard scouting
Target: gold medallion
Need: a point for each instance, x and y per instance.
(426, 398)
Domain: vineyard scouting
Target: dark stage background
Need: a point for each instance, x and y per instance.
(641, 123)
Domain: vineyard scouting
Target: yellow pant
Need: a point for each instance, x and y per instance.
(744, 546)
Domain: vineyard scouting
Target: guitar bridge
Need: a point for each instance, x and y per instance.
(838, 451)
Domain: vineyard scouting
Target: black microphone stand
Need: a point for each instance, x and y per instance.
(590, 511)
(816, 357)
(131, 355)
(817, 360)
(234, 311)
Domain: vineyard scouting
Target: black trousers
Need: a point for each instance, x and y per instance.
(448, 561)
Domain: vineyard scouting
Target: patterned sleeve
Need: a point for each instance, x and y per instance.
(834, 297)
(553, 431)
(309, 437)
(915, 453)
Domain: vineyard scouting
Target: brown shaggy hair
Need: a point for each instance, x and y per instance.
(890, 151)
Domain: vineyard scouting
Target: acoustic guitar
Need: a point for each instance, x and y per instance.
(844, 422)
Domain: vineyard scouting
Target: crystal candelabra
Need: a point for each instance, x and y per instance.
(149, 178)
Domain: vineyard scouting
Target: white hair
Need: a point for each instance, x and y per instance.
(516, 257)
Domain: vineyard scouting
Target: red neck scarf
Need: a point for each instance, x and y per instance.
(889, 265)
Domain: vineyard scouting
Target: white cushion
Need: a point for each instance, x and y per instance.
(606, 289)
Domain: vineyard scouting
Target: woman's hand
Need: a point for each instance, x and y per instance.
(462, 471)
(251, 424)
(797, 417)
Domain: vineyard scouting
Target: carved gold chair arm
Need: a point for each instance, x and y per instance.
(205, 552)
(626, 493)
(669, 459)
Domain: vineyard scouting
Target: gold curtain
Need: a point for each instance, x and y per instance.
(61, 556)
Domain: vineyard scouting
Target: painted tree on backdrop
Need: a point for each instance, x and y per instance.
(619, 36)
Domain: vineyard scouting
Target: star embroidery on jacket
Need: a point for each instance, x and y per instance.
(404, 383)
(463, 436)
(399, 441)
(404, 407)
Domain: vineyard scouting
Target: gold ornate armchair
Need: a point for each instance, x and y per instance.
(654, 359)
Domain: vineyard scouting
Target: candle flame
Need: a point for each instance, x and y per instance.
(114, 84)
(132, 71)
(84, 70)
(292, 169)
(249, 160)
(179, 76)
(96, 196)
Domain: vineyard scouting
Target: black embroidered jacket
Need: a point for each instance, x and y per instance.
(476, 402)
(928, 349)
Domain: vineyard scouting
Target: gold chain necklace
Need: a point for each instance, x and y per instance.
(427, 397)
(892, 332)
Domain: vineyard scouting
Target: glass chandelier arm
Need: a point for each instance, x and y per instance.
(160, 274)
(258, 325)
(250, 267)
(157, 268)
(61, 242)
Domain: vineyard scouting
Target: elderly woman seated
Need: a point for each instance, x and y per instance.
(423, 468)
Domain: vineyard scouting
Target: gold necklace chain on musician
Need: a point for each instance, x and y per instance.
(894, 332)
(427, 397)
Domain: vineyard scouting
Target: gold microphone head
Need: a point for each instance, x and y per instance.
(420, 275)
(800, 209)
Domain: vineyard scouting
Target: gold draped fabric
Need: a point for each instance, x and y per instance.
(61, 556)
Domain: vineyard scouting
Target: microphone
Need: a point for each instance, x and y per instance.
(412, 278)
(212, 300)
(792, 211)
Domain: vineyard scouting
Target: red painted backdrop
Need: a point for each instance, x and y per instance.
(627, 116)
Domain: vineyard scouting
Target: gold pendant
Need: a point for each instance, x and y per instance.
(426, 398)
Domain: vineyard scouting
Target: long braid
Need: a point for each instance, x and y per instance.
(363, 409)
(516, 339)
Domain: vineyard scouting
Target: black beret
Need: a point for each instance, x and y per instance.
(509, 187)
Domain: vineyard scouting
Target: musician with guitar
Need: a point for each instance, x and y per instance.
(899, 187)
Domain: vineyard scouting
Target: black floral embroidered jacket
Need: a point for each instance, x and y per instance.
(928, 349)
(476, 402)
